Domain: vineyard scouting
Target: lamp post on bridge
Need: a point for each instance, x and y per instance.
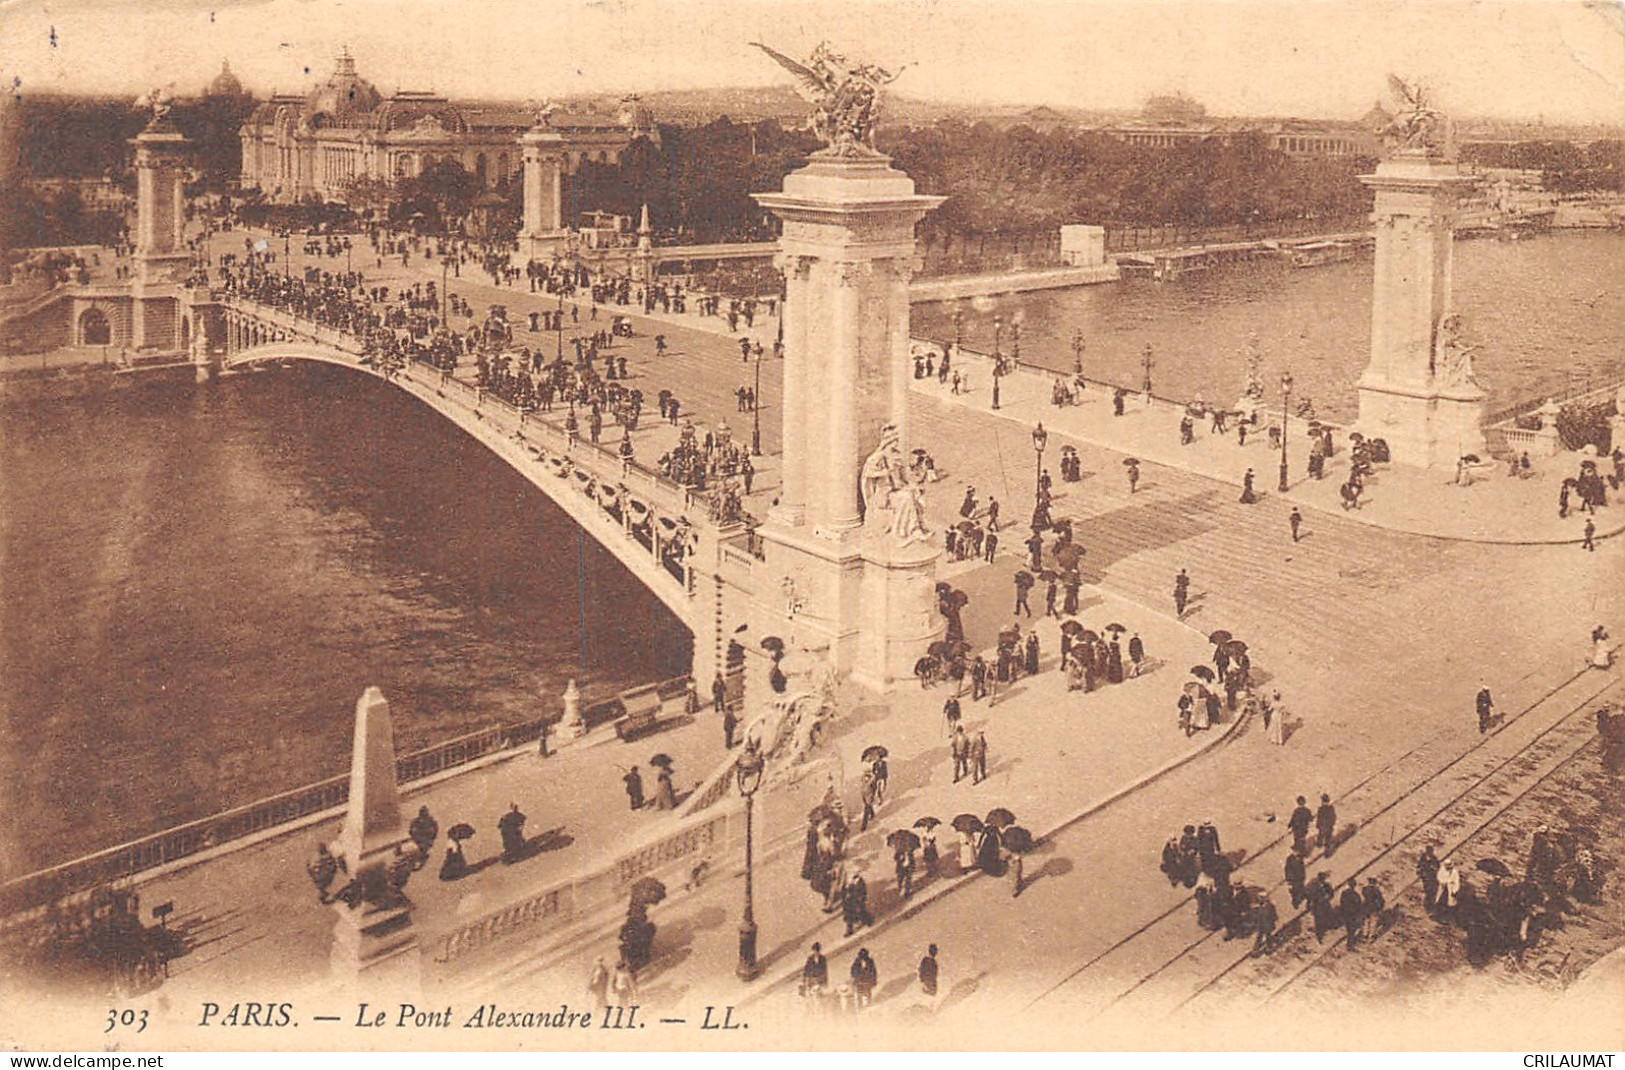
(1146, 364)
(1040, 440)
(445, 296)
(1077, 351)
(1286, 414)
(756, 410)
(748, 772)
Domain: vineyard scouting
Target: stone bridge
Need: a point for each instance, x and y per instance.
(660, 531)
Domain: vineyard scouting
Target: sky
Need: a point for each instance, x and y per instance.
(1561, 60)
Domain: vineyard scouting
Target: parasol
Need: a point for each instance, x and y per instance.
(1219, 637)
(1131, 461)
(1115, 627)
(662, 760)
(1072, 628)
(1235, 647)
(1024, 578)
(1202, 672)
(927, 823)
(1494, 866)
(460, 832)
(903, 838)
(1017, 839)
(966, 823)
(1088, 635)
(999, 817)
(773, 644)
(647, 891)
(967, 526)
(874, 753)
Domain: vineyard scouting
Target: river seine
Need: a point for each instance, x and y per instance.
(198, 583)
(1547, 313)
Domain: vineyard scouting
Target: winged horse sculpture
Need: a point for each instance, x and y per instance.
(845, 96)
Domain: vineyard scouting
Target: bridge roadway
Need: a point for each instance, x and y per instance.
(654, 527)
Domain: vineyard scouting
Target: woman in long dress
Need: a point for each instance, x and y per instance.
(1277, 721)
(1199, 718)
(1601, 656)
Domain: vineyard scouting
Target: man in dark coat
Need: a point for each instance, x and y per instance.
(1299, 824)
(1182, 592)
(634, 788)
(1264, 921)
(855, 904)
(1207, 845)
(967, 508)
(1325, 825)
(1485, 706)
(719, 693)
(1373, 905)
(815, 973)
(512, 830)
(1427, 871)
(1035, 551)
(730, 724)
(1188, 855)
(423, 831)
(1351, 909)
(1295, 876)
(928, 972)
(1321, 908)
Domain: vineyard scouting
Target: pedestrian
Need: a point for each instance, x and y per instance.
(978, 757)
(815, 975)
(864, 978)
(951, 714)
(634, 788)
(1133, 474)
(1248, 496)
(730, 724)
(1486, 706)
(1351, 909)
(1322, 910)
(1017, 880)
(1049, 596)
(511, 827)
(1207, 846)
(1449, 890)
(992, 513)
(624, 985)
(1275, 720)
(1295, 877)
(1024, 583)
(1182, 591)
(598, 984)
(719, 693)
(1136, 654)
(1427, 871)
(870, 794)
(1373, 905)
(960, 748)
(1296, 521)
(1264, 922)
(423, 831)
(978, 678)
(928, 974)
(1035, 551)
(855, 903)
(968, 507)
(1325, 825)
(1590, 532)
(1298, 824)
(991, 546)
(665, 790)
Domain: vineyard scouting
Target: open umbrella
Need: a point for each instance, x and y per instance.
(1235, 646)
(967, 526)
(1072, 628)
(1048, 575)
(874, 752)
(773, 644)
(821, 813)
(1024, 578)
(1088, 635)
(966, 823)
(903, 838)
(1069, 555)
(999, 817)
(1115, 627)
(460, 832)
(1219, 637)
(1131, 460)
(1495, 867)
(1017, 839)
(927, 823)
(662, 760)
(647, 891)
(1202, 672)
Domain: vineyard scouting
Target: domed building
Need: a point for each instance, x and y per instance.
(319, 144)
(225, 84)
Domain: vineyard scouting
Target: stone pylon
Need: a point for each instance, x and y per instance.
(375, 947)
(543, 232)
(1414, 394)
(162, 261)
(853, 582)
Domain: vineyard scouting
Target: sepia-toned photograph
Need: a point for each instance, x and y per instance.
(796, 525)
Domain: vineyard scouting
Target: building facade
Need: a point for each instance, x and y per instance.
(317, 145)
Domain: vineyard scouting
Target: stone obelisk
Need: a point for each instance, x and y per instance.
(374, 944)
(1418, 392)
(860, 574)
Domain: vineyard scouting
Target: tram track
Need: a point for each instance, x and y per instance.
(1404, 787)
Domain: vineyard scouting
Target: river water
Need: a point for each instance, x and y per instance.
(1544, 311)
(199, 583)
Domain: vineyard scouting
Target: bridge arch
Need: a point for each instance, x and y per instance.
(94, 328)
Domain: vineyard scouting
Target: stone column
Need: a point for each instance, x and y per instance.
(542, 235)
(1429, 414)
(375, 948)
(571, 726)
(847, 250)
(160, 243)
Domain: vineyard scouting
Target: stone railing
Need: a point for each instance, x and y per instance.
(171, 845)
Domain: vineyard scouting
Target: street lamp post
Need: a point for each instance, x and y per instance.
(998, 337)
(1146, 364)
(1077, 351)
(1040, 440)
(287, 252)
(756, 411)
(1015, 344)
(748, 771)
(959, 328)
(1286, 413)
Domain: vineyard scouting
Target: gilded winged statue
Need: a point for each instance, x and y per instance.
(1419, 129)
(845, 96)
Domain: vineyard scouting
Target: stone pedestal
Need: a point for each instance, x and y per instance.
(847, 253)
(543, 233)
(1429, 414)
(161, 256)
(571, 725)
(375, 947)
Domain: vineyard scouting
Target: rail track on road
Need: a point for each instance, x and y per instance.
(1422, 795)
